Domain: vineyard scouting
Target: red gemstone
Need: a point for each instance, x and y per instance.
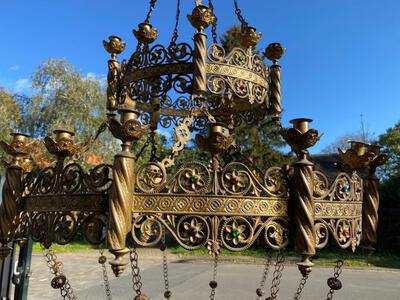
(242, 87)
(346, 233)
(234, 181)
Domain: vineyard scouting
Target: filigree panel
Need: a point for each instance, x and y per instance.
(195, 231)
(338, 210)
(63, 227)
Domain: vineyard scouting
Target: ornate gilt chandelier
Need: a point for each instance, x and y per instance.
(225, 204)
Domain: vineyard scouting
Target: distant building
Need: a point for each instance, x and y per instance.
(326, 163)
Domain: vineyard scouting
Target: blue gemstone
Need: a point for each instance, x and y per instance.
(345, 189)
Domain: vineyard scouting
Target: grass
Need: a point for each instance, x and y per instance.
(71, 247)
(326, 257)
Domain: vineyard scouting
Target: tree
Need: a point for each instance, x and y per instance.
(261, 141)
(10, 119)
(342, 142)
(66, 99)
(390, 142)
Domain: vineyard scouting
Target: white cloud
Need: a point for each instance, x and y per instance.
(14, 68)
(95, 76)
(22, 84)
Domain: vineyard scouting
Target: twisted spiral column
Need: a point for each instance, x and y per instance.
(120, 210)
(370, 210)
(275, 88)
(199, 63)
(303, 215)
(11, 193)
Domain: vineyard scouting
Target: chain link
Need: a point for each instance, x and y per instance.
(239, 15)
(153, 155)
(77, 156)
(142, 149)
(212, 294)
(214, 24)
(279, 266)
(265, 274)
(136, 279)
(165, 265)
(336, 272)
(152, 4)
(55, 268)
(105, 276)
(302, 283)
(175, 34)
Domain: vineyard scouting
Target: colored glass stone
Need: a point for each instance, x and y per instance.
(193, 179)
(242, 87)
(345, 189)
(346, 233)
(234, 181)
(235, 233)
(241, 58)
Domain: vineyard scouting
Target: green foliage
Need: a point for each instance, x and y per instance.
(261, 141)
(389, 192)
(10, 120)
(390, 142)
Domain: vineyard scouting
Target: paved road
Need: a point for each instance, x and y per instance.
(189, 280)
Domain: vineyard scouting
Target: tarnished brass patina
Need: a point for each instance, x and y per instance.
(227, 202)
(146, 33)
(201, 17)
(300, 137)
(249, 37)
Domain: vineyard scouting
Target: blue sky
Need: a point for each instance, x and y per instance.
(342, 57)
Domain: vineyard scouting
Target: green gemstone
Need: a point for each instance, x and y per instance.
(193, 179)
(259, 93)
(241, 58)
(235, 233)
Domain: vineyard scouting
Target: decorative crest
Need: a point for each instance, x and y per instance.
(146, 33)
(114, 46)
(201, 17)
(63, 146)
(300, 137)
(249, 37)
(217, 141)
(274, 52)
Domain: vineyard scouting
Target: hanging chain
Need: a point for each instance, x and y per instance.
(102, 261)
(214, 24)
(153, 155)
(136, 279)
(77, 156)
(175, 34)
(60, 281)
(167, 292)
(239, 15)
(213, 283)
(334, 283)
(302, 283)
(279, 266)
(260, 290)
(152, 4)
(143, 147)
